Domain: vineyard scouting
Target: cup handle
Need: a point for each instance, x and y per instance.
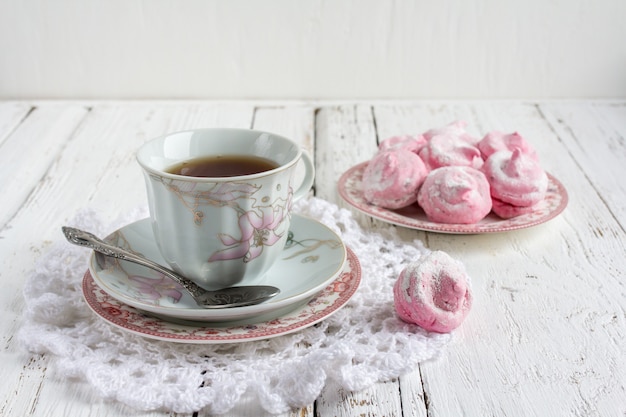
(309, 177)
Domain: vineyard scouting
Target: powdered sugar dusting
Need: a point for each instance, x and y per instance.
(455, 194)
(516, 178)
(434, 293)
(392, 178)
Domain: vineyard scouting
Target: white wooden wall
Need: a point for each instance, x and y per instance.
(312, 49)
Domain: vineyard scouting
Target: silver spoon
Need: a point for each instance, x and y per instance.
(223, 298)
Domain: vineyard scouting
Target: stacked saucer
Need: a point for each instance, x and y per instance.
(317, 274)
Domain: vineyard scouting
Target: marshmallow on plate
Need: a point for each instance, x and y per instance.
(455, 194)
(450, 150)
(497, 141)
(508, 211)
(516, 178)
(456, 129)
(392, 178)
(405, 142)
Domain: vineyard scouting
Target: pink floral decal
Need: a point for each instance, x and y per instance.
(342, 283)
(154, 289)
(258, 229)
(115, 310)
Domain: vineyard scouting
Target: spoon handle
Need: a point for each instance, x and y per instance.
(86, 239)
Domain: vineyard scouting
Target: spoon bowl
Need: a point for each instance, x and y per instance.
(229, 297)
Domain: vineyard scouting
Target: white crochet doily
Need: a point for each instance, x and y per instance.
(362, 343)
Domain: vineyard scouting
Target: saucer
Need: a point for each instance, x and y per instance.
(414, 217)
(312, 258)
(327, 302)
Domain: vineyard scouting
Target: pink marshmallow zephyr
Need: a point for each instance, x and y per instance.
(497, 141)
(516, 178)
(406, 142)
(392, 179)
(456, 129)
(448, 150)
(433, 293)
(508, 211)
(455, 194)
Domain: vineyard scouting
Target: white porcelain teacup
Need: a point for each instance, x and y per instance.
(221, 230)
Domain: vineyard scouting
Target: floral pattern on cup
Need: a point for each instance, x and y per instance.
(259, 227)
(219, 194)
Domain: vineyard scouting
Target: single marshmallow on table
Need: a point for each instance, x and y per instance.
(516, 178)
(450, 150)
(497, 141)
(405, 142)
(392, 178)
(455, 194)
(433, 293)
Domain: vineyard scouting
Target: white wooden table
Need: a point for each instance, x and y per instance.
(547, 333)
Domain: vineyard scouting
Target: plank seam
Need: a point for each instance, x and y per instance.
(580, 167)
(28, 197)
(18, 124)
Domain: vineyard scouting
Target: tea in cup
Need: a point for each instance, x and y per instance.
(220, 200)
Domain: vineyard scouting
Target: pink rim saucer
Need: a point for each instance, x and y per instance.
(413, 216)
(318, 308)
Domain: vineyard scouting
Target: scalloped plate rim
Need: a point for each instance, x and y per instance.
(322, 306)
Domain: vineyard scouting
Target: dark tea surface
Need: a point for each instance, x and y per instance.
(223, 166)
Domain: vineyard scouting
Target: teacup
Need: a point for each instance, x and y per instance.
(223, 229)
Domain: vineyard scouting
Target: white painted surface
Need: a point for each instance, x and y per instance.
(312, 49)
(546, 333)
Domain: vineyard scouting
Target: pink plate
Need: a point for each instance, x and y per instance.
(331, 299)
(413, 217)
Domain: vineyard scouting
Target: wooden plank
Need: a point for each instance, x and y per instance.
(414, 119)
(96, 169)
(345, 141)
(597, 133)
(295, 122)
(12, 113)
(345, 136)
(382, 399)
(29, 151)
(249, 407)
(412, 397)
